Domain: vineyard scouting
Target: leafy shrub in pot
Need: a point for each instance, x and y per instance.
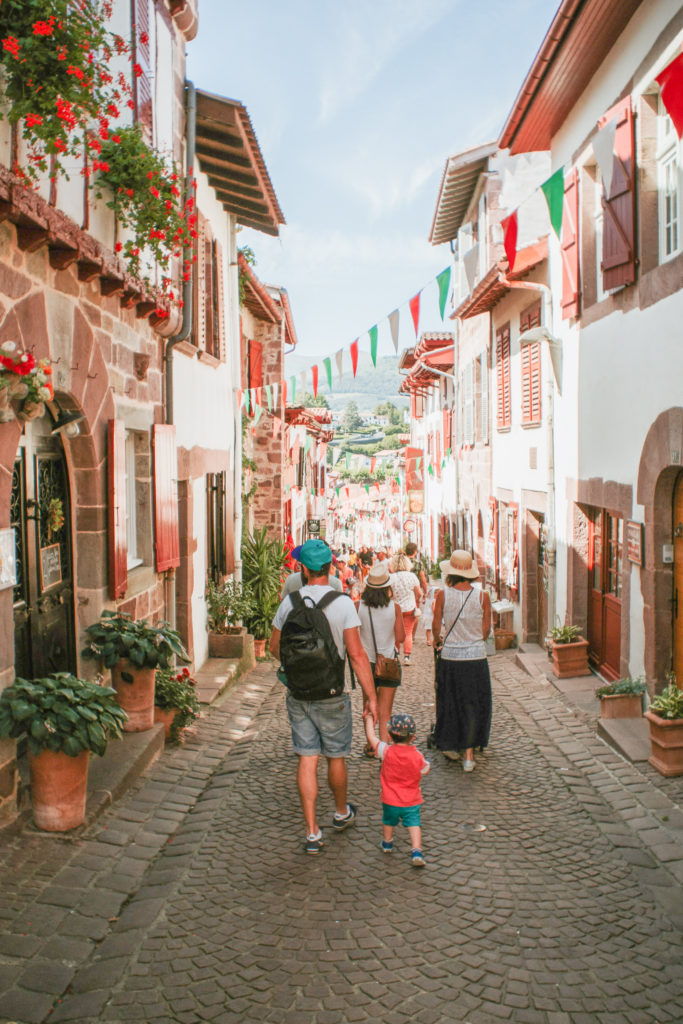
(176, 691)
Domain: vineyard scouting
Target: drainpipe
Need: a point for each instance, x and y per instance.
(551, 547)
(186, 325)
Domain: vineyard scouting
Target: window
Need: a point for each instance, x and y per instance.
(468, 404)
(484, 397)
(215, 525)
(598, 215)
(131, 504)
(503, 376)
(142, 87)
(208, 328)
(668, 185)
(531, 368)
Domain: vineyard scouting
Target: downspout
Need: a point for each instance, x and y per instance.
(551, 547)
(186, 325)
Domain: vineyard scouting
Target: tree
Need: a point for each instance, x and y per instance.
(389, 409)
(351, 419)
(314, 401)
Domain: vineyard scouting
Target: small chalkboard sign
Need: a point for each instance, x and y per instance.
(50, 566)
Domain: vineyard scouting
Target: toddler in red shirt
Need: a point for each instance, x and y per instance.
(402, 769)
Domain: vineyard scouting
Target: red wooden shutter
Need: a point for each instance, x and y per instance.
(531, 367)
(118, 544)
(413, 406)
(569, 245)
(166, 534)
(142, 87)
(221, 349)
(619, 207)
(199, 286)
(503, 376)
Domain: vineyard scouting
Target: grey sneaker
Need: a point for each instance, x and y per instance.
(313, 844)
(339, 824)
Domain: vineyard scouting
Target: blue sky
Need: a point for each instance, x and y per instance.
(356, 105)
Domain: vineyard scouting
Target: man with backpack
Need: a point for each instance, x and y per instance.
(313, 630)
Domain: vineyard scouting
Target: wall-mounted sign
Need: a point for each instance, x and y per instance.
(409, 526)
(8, 559)
(634, 542)
(313, 527)
(50, 566)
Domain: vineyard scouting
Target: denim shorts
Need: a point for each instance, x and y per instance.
(321, 726)
(393, 815)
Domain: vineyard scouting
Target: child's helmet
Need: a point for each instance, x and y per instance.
(402, 726)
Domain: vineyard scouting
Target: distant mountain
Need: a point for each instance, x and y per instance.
(367, 389)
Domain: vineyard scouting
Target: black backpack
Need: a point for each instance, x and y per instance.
(309, 655)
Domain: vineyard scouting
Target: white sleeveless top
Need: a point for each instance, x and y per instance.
(383, 619)
(465, 642)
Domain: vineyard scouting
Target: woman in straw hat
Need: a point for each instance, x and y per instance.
(463, 682)
(379, 612)
(406, 588)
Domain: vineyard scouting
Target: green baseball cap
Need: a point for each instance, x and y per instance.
(315, 554)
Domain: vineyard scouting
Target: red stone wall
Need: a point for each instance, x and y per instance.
(267, 504)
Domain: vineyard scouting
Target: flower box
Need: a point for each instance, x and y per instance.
(666, 737)
(621, 705)
(570, 659)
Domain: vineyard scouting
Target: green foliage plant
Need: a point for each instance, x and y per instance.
(116, 635)
(61, 713)
(622, 686)
(177, 691)
(263, 571)
(228, 604)
(565, 634)
(669, 703)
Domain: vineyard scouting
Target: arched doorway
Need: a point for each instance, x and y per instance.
(44, 638)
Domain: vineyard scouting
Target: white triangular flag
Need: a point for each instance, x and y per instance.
(339, 358)
(393, 324)
(276, 388)
(469, 262)
(603, 147)
(336, 454)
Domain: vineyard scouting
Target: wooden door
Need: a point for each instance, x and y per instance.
(678, 581)
(606, 539)
(542, 580)
(41, 517)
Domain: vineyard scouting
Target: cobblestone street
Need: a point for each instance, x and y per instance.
(191, 899)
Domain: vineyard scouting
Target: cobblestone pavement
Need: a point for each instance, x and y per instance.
(191, 900)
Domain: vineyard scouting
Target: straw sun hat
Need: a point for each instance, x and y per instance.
(460, 563)
(378, 576)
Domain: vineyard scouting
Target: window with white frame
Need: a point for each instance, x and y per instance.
(598, 214)
(668, 186)
(134, 558)
(468, 404)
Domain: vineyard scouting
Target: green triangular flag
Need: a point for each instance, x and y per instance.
(553, 190)
(418, 462)
(373, 344)
(287, 488)
(258, 413)
(443, 463)
(443, 280)
(269, 397)
(307, 444)
(430, 469)
(327, 363)
(367, 488)
(448, 451)
(293, 395)
(337, 489)
(247, 402)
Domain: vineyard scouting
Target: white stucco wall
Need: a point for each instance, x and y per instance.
(200, 636)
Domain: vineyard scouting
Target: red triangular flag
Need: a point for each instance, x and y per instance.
(415, 310)
(373, 463)
(509, 226)
(240, 398)
(354, 356)
(284, 394)
(348, 492)
(314, 375)
(671, 83)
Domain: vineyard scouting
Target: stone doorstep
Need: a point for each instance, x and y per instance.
(214, 678)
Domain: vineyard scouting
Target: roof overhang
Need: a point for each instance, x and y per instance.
(494, 286)
(581, 35)
(458, 184)
(229, 154)
(256, 296)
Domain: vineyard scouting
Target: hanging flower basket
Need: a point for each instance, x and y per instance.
(25, 381)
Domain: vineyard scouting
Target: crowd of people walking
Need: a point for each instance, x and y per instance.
(364, 607)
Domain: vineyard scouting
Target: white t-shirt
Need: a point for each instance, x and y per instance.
(295, 581)
(384, 621)
(403, 585)
(341, 613)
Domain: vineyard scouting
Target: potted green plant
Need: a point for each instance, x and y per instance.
(665, 716)
(569, 652)
(176, 703)
(622, 698)
(228, 606)
(133, 649)
(64, 719)
(263, 571)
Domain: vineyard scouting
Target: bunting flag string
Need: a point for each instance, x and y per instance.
(670, 81)
(553, 190)
(269, 397)
(393, 326)
(314, 376)
(373, 332)
(415, 311)
(354, 356)
(509, 226)
(327, 363)
(443, 280)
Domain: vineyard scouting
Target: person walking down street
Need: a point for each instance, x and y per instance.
(428, 609)
(411, 552)
(407, 592)
(381, 632)
(463, 682)
(295, 580)
(401, 773)
(324, 627)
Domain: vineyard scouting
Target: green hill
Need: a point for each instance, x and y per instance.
(367, 389)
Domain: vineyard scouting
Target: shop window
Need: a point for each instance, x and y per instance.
(216, 525)
(669, 190)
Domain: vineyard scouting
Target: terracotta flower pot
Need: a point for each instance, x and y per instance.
(503, 639)
(570, 659)
(166, 716)
(58, 789)
(259, 648)
(136, 698)
(666, 737)
(621, 705)
(228, 645)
